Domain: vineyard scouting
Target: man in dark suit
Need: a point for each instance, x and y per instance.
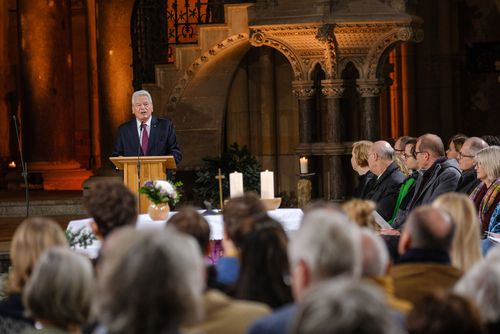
(385, 190)
(146, 134)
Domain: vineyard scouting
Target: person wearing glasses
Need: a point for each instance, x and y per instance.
(438, 175)
(468, 180)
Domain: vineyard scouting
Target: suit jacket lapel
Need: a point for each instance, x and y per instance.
(153, 133)
(133, 133)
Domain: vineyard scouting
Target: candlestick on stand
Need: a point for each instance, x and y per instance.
(219, 177)
(266, 185)
(303, 165)
(235, 184)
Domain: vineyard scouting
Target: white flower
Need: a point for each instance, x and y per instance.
(166, 187)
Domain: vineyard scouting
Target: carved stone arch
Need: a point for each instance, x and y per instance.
(356, 61)
(259, 39)
(206, 57)
(387, 41)
(312, 66)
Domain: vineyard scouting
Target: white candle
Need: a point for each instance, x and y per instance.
(266, 184)
(235, 184)
(303, 165)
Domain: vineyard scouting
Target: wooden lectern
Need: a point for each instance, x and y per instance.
(152, 168)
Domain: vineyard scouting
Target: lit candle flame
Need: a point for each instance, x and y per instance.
(12, 165)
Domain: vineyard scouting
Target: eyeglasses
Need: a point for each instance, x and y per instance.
(419, 152)
(461, 155)
(408, 156)
(398, 151)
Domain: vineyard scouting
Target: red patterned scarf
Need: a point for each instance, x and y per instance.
(486, 199)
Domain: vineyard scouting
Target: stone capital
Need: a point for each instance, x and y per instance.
(369, 88)
(332, 88)
(303, 89)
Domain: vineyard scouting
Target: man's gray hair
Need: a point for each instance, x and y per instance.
(141, 93)
(61, 288)
(384, 150)
(476, 145)
(151, 282)
(375, 254)
(328, 242)
(481, 284)
(343, 306)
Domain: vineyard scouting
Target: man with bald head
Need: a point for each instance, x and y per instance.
(424, 265)
(468, 181)
(438, 175)
(389, 178)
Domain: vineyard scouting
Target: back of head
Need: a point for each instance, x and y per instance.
(30, 240)
(151, 283)
(375, 254)
(189, 221)
(236, 212)
(481, 284)
(475, 144)
(444, 313)
(384, 150)
(360, 150)
(361, 212)
(344, 306)
(111, 205)
(264, 266)
(61, 288)
(327, 242)
(458, 140)
(430, 228)
(432, 144)
(489, 159)
(402, 142)
(492, 140)
(466, 246)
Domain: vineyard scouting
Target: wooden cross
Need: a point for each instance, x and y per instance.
(220, 177)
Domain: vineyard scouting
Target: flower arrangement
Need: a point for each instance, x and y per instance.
(161, 192)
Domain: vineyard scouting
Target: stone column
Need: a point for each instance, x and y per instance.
(304, 91)
(267, 108)
(333, 90)
(369, 91)
(6, 81)
(47, 75)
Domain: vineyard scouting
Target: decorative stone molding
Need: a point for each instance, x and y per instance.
(206, 57)
(303, 89)
(369, 88)
(332, 88)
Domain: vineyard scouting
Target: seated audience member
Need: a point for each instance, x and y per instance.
(359, 162)
(486, 195)
(468, 181)
(361, 212)
(389, 178)
(325, 246)
(425, 265)
(264, 266)
(400, 144)
(455, 145)
(444, 313)
(466, 245)
(236, 228)
(151, 283)
(494, 226)
(343, 306)
(111, 205)
(59, 292)
(376, 264)
(481, 284)
(30, 240)
(408, 186)
(438, 175)
(219, 309)
(492, 140)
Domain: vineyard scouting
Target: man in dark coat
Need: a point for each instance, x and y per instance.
(385, 190)
(146, 134)
(468, 180)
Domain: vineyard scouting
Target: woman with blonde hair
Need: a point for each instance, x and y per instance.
(30, 240)
(466, 245)
(361, 212)
(359, 162)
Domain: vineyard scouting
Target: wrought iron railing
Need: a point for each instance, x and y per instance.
(159, 25)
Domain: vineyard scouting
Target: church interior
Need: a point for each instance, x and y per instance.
(286, 79)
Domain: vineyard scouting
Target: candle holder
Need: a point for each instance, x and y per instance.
(271, 203)
(304, 189)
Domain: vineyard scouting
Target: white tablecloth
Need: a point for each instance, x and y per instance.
(289, 218)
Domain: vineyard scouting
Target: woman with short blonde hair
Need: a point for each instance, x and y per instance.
(361, 212)
(30, 240)
(466, 245)
(359, 162)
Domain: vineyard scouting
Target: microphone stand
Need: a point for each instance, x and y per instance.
(24, 166)
(139, 165)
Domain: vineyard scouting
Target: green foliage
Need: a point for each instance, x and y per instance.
(234, 159)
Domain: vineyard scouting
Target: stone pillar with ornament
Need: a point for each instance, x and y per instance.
(305, 93)
(333, 90)
(369, 91)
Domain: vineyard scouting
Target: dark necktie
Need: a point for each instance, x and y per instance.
(145, 138)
